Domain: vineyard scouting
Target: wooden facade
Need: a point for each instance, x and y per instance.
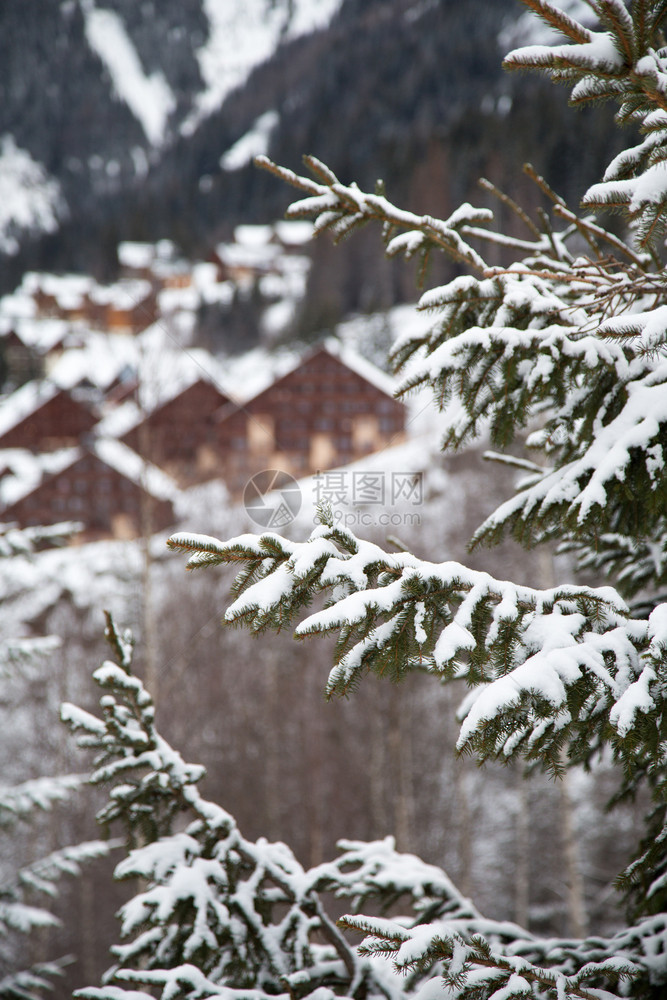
(116, 312)
(19, 363)
(56, 421)
(179, 436)
(106, 502)
(319, 416)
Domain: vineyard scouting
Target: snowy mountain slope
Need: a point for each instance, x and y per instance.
(138, 112)
(240, 36)
(148, 97)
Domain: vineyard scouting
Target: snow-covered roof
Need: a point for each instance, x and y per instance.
(68, 289)
(294, 232)
(23, 402)
(125, 461)
(135, 255)
(252, 235)
(366, 369)
(123, 294)
(100, 360)
(258, 255)
(21, 471)
(42, 335)
(17, 305)
(119, 420)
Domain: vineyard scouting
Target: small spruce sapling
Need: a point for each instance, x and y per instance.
(217, 914)
(24, 886)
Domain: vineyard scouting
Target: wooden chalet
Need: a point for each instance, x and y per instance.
(179, 436)
(42, 418)
(19, 361)
(104, 487)
(129, 306)
(331, 410)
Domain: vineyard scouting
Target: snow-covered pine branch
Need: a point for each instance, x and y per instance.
(625, 62)
(220, 916)
(342, 208)
(243, 915)
(546, 668)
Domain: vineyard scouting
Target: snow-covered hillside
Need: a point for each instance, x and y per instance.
(241, 36)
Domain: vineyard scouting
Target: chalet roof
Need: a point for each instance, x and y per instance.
(21, 472)
(69, 289)
(161, 367)
(45, 334)
(249, 235)
(348, 357)
(100, 360)
(24, 402)
(123, 419)
(357, 363)
(125, 461)
(294, 232)
(124, 294)
(257, 256)
(135, 255)
(29, 399)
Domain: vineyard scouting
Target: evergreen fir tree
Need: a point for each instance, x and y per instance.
(567, 347)
(23, 886)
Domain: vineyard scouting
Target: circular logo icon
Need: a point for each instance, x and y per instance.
(272, 498)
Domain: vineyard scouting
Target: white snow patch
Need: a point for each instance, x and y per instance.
(241, 36)
(255, 142)
(148, 97)
(29, 198)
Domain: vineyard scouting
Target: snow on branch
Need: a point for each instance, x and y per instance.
(557, 660)
(341, 208)
(626, 62)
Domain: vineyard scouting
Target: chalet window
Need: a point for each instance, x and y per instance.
(387, 425)
(80, 486)
(323, 423)
(59, 503)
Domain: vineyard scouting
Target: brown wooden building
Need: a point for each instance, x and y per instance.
(129, 306)
(91, 485)
(19, 362)
(180, 434)
(41, 418)
(331, 410)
